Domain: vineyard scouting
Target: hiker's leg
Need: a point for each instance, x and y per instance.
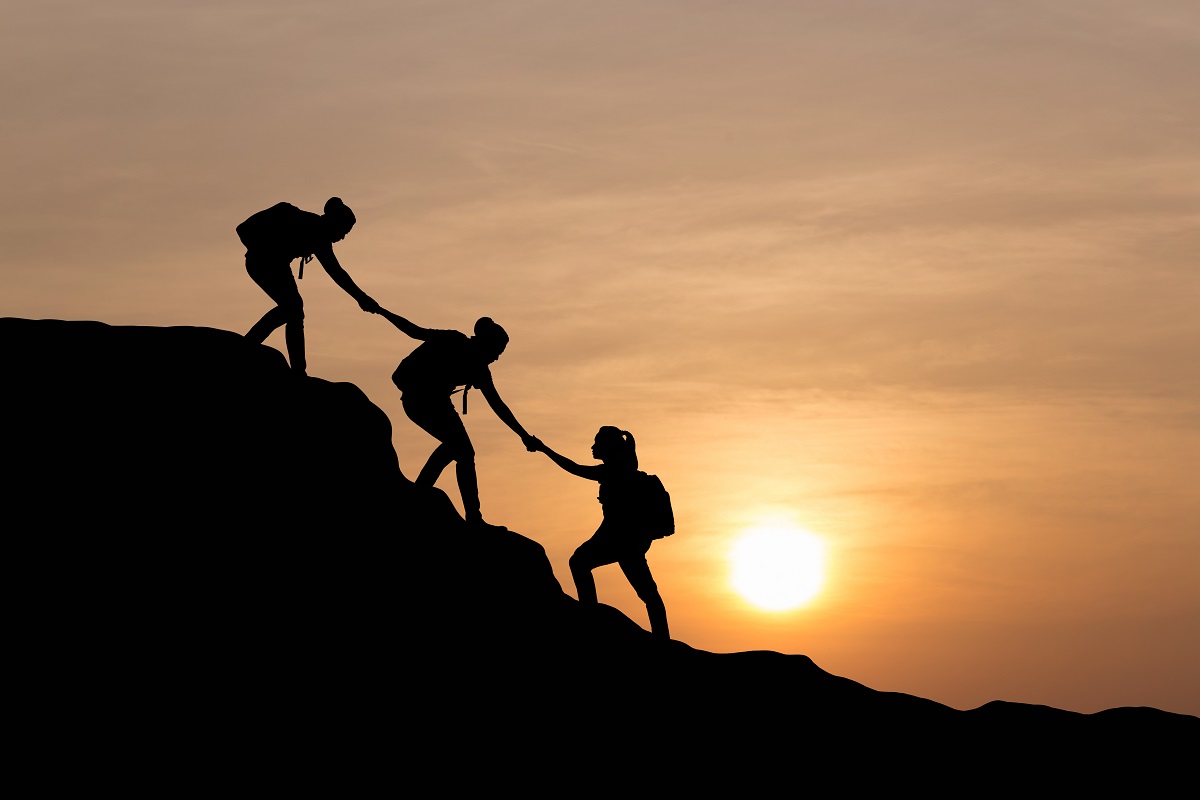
(274, 277)
(638, 572)
(595, 552)
(437, 417)
(585, 584)
(468, 486)
(438, 459)
(293, 337)
(656, 610)
(462, 453)
(267, 325)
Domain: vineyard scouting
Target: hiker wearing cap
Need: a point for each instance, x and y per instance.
(428, 377)
(273, 238)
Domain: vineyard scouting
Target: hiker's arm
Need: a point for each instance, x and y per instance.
(342, 278)
(592, 473)
(502, 411)
(404, 326)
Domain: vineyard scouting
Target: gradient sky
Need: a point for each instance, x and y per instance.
(919, 277)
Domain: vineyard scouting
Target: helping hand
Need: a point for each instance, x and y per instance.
(532, 443)
(369, 305)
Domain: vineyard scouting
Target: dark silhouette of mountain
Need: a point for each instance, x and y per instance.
(218, 568)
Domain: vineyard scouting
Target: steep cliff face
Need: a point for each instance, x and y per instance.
(208, 550)
(197, 531)
(186, 429)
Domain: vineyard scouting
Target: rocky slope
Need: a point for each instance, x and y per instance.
(217, 564)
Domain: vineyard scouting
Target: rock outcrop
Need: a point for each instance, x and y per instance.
(215, 562)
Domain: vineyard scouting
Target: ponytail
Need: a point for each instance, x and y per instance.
(336, 209)
(624, 446)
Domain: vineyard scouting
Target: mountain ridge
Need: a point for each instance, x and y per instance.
(188, 503)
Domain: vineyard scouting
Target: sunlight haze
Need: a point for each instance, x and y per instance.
(921, 274)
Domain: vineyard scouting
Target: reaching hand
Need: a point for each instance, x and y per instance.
(532, 443)
(369, 305)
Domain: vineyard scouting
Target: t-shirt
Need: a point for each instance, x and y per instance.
(440, 364)
(617, 496)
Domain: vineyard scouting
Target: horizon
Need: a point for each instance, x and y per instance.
(920, 281)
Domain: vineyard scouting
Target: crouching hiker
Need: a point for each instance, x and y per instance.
(276, 236)
(429, 375)
(637, 510)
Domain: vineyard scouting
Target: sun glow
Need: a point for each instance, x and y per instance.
(778, 566)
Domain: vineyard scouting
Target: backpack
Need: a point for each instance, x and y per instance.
(435, 366)
(647, 501)
(276, 229)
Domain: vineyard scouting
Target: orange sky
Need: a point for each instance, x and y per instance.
(919, 276)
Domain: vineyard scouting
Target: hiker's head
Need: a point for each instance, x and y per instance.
(615, 446)
(339, 218)
(491, 338)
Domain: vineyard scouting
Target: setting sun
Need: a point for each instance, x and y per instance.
(778, 567)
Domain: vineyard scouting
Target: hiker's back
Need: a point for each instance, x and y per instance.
(439, 365)
(283, 230)
(637, 503)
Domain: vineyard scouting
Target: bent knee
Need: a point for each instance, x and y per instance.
(649, 595)
(462, 452)
(647, 591)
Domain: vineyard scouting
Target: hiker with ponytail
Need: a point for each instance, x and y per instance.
(633, 519)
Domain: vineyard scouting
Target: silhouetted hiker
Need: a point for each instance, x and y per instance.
(276, 236)
(429, 375)
(625, 535)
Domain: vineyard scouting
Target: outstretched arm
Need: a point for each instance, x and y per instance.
(342, 278)
(505, 414)
(404, 326)
(593, 472)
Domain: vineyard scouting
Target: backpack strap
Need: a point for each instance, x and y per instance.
(464, 390)
(304, 260)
